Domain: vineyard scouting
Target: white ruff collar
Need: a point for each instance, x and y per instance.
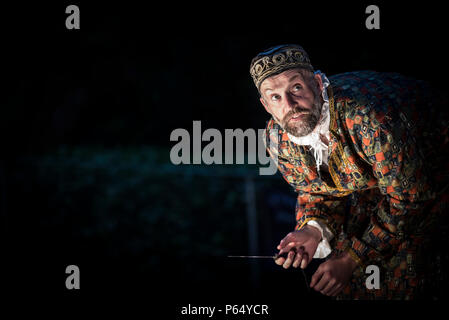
(320, 149)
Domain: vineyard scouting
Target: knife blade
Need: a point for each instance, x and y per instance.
(274, 257)
(255, 257)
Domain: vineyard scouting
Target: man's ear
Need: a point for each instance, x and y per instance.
(319, 81)
(265, 105)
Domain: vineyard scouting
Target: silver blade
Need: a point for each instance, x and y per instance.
(253, 257)
(274, 257)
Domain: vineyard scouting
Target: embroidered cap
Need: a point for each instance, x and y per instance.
(276, 60)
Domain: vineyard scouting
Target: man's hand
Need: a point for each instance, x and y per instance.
(300, 245)
(333, 275)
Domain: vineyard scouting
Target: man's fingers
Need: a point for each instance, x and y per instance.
(305, 260)
(287, 237)
(316, 276)
(280, 261)
(299, 258)
(282, 243)
(289, 260)
(287, 247)
(336, 290)
(321, 284)
(330, 286)
(288, 240)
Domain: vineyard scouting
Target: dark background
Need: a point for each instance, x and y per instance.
(86, 119)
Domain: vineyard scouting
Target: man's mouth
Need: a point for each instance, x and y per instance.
(297, 116)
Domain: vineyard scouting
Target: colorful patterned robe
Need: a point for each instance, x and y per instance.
(383, 192)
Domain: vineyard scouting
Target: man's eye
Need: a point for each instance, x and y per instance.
(297, 87)
(275, 97)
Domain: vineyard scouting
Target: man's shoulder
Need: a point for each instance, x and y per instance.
(370, 86)
(372, 97)
(362, 77)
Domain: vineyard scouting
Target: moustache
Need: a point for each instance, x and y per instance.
(294, 112)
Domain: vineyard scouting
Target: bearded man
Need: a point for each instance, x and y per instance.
(366, 153)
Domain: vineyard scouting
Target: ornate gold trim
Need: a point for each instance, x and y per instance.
(333, 156)
(277, 59)
(333, 119)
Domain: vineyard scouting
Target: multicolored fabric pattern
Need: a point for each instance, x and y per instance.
(387, 168)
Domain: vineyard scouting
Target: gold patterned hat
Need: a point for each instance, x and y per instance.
(276, 60)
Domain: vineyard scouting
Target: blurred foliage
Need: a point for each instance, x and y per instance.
(133, 203)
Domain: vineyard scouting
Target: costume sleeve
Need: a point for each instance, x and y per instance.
(327, 210)
(324, 247)
(391, 150)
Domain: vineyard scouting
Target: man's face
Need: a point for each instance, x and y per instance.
(294, 102)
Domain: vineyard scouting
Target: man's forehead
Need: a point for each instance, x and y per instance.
(274, 80)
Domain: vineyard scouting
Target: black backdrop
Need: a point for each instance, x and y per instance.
(178, 63)
(124, 81)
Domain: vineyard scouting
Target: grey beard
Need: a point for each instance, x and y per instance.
(307, 124)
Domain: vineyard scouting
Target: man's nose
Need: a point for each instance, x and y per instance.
(290, 101)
